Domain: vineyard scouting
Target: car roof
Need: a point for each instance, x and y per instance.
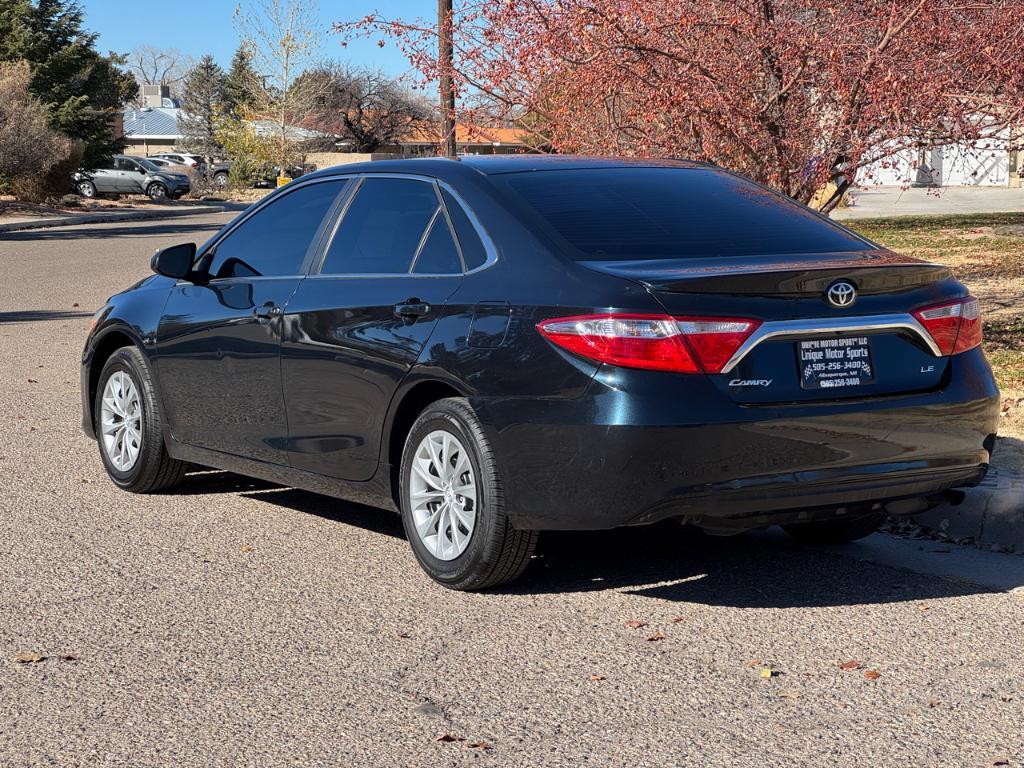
(493, 165)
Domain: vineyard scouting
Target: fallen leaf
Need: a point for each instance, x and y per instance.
(872, 674)
(447, 738)
(68, 657)
(1000, 761)
(677, 619)
(403, 635)
(598, 678)
(851, 664)
(768, 673)
(792, 695)
(246, 548)
(30, 657)
(479, 745)
(923, 608)
(656, 637)
(634, 624)
(754, 663)
(33, 381)
(933, 703)
(75, 304)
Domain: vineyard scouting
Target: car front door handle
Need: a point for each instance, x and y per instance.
(267, 311)
(412, 308)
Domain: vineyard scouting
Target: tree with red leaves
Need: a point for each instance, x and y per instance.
(793, 93)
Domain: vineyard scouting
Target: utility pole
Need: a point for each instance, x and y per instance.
(446, 64)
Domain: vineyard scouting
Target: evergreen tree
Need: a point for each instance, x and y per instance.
(202, 100)
(241, 82)
(82, 90)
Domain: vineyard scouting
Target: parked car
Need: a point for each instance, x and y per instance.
(194, 162)
(501, 345)
(265, 176)
(131, 176)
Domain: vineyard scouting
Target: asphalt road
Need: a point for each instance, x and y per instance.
(233, 623)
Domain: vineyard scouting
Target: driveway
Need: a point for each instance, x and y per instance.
(235, 623)
(870, 202)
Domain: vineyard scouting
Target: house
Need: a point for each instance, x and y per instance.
(469, 140)
(991, 161)
(152, 127)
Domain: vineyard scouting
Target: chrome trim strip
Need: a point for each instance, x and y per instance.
(824, 326)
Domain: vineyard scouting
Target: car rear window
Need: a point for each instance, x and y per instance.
(671, 213)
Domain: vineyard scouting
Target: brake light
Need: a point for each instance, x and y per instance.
(955, 325)
(653, 342)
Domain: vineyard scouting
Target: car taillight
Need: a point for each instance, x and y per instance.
(954, 325)
(654, 342)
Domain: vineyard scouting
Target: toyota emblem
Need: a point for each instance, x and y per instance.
(841, 294)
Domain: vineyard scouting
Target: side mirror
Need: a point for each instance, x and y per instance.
(175, 261)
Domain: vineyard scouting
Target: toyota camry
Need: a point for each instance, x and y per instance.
(496, 346)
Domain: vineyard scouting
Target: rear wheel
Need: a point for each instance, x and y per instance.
(129, 426)
(824, 532)
(220, 179)
(453, 505)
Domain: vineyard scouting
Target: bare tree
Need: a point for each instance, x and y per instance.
(160, 66)
(362, 106)
(281, 38)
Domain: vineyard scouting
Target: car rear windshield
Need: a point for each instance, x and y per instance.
(671, 213)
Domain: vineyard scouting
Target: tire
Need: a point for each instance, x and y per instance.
(156, 191)
(825, 532)
(496, 553)
(153, 469)
(86, 189)
(220, 179)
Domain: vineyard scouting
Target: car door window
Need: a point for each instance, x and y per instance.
(122, 164)
(439, 255)
(382, 228)
(273, 242)
(473, 251)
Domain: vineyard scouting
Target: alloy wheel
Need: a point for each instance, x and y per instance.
(121, 421)
(443, 495)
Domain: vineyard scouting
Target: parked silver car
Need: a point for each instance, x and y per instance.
(131, 176)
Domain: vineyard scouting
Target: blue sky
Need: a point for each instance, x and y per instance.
(197, 27)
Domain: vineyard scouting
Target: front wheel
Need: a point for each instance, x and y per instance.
(129, 426)
(157, 191)
(453, 505)
(86, 189)
(825, 532)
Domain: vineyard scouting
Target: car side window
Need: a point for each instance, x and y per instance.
(473, 251)
(121, 164)
(273, 241)
(382, 228)
(439, 254)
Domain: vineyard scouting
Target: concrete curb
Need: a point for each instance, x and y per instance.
(991, 515)
(102, 218)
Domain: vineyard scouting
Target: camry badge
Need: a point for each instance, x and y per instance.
(841, 294)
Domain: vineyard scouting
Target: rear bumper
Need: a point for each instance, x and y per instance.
(641, 446)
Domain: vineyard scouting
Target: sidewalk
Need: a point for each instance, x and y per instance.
(14, 224)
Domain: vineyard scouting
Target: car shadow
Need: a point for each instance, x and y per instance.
(672, 562)
(38, 315)
(144, 228)
(667, 561)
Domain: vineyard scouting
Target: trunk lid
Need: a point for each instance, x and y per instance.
(807, 348)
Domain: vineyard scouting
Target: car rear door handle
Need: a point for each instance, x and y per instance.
(267, 311)
(412, 308)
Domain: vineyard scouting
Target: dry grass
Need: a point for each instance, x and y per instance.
(985, 251)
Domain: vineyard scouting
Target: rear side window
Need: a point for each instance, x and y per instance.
(438, 256)
(274, 240)
(382, 228)
(673, 213)
(473, 250)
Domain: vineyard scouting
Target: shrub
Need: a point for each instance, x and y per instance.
(35, 161)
